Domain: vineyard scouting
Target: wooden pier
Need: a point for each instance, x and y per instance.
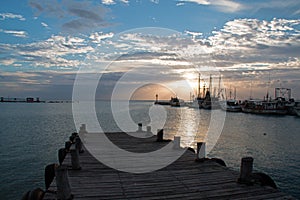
(183, 179)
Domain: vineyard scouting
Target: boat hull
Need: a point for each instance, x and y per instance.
(265, 111)
(297, 111)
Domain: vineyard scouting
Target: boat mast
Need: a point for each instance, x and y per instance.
(267, 97)
(210, 84)
(234, 93)
(219, 86)
(204, 90)
(251, 89)
(199, 86)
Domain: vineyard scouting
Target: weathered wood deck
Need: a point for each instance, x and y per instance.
(183, 179)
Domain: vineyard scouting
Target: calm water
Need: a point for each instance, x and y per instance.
(31, 134)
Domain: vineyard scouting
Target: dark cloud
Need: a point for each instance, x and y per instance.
(74, 16)
(85, 14)
(36, 6)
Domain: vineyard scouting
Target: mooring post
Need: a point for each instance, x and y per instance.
(82, 129)
(61, 155)
(68, 145)
(176, 142)
(200, 150)
(140, 127)
(148, 132)
(148, 129)
(75, 157)
(62, 183)
(246, 169)
(78, 144)
(160, 135)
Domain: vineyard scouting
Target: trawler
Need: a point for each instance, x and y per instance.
(231, 105)
(278, 106)
(197, 102)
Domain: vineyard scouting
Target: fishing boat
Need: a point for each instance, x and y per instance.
(296, 109)
(211, 101)
(197, 102)
(174, 102)
(278, 106)
(264, 107)
(231, 105)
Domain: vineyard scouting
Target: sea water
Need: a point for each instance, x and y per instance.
(31, 134)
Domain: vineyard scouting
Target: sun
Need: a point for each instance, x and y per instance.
(192, 79)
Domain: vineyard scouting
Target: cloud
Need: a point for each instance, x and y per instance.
(44, 25)
(193, 34)
(180, 4)
(75, 16)
(297, 12)
(112, 2)
(155, 1)
(4, 16)
(57, 53)
(260, 34)
(97, 37)
(108, 2)
(202, 2)
(227, 6)
(21, 34)
(125, 1)
(240, 41)
(290, 7)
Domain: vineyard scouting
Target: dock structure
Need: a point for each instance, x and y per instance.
(183, 179)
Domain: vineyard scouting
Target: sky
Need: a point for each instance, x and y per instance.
(139, 48)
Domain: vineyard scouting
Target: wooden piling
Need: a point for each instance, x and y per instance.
(78, 144)
(61, 155)
(82, 129)
(68, 145)
(176, 142)
(75, 158)
(246, 169)
(140, 127)
(148, 129)
(148, 132)
(62, 183)
(201, 150)
(160, 135)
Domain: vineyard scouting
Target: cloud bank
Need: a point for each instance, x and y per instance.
(244, 50)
